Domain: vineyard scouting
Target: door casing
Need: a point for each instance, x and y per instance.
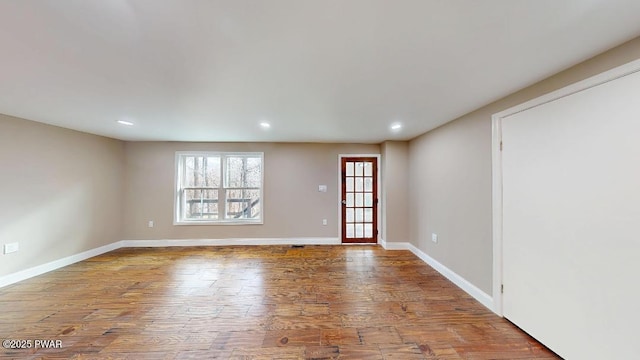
(377, 194)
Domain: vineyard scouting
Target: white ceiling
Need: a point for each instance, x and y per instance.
(317, 70)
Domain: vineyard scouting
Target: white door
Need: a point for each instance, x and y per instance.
(571, 221)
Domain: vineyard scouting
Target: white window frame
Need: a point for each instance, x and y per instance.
(178, 211)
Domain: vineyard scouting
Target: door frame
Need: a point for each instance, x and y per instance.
(378, 195)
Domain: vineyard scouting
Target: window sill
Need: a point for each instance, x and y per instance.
(218, 222)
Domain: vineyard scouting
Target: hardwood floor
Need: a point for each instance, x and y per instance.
(272, 302)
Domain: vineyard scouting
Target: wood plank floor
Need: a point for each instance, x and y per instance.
(272, 302)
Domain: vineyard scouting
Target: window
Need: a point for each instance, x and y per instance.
(218, 188)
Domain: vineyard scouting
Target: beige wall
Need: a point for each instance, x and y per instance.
(293, 207)
(60, 191)
(395, 191)
(450, 176)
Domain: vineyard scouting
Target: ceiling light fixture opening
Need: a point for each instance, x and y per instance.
(124, 122)
(396, 127)
(265, 125)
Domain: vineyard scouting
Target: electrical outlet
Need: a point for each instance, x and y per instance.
(324, 221)
(434, 237)
(11, 248)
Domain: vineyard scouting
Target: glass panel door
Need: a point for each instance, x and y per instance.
(359, 200)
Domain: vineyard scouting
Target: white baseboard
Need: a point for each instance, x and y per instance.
(56, 264)
(461, 282)
(227, 242)
(388, 245)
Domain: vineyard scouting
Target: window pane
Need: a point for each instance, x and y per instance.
(254, 172)
(200, 204)
(359, 186)
(243, 172)
(212, 172)
(235, 176)
(359, 169)
(359, 230)
(359, 200)
(189, 163)
(202, 171)
(243, 204)
(193, 171)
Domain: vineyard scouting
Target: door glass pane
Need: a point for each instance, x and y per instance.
(359, 169)
(349, 215)
(368, 169)
(368, 215)
(368, 230)
(359, 199)
(350, 168)
(349, 184)
(368, 184)
(350, 199)
(350, 231)
(359, 215)
(359, 230)
(368, 199)
(359, 184)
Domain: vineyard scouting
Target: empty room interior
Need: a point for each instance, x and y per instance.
(319, 179)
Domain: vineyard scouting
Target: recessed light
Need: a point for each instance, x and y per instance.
(396, 126)
(124, 122)
(265, 125)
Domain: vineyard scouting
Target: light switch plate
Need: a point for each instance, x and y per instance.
(322, 188)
